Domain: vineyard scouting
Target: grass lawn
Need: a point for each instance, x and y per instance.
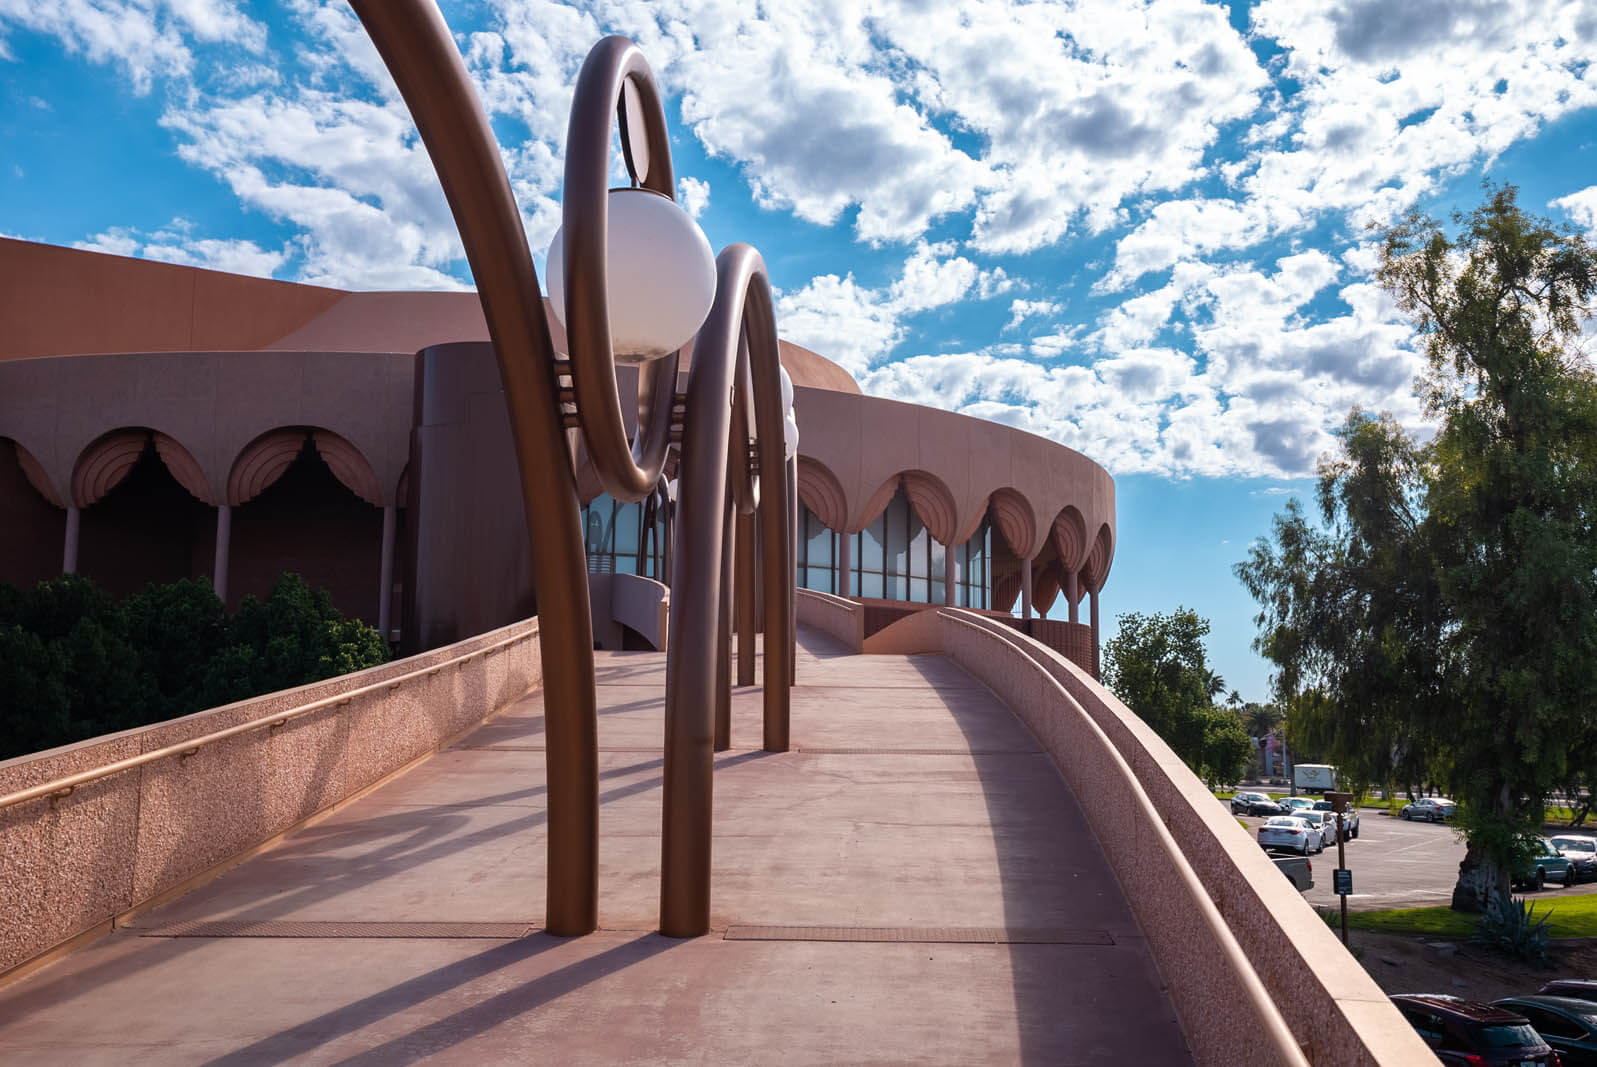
(1574, 916)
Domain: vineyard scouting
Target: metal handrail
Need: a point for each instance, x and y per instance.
(62, 788)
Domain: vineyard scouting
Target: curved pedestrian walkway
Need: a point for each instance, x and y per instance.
(913, 882)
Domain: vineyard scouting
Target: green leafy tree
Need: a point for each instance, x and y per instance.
(178, 628)
(1156, 664)
(1443, 625)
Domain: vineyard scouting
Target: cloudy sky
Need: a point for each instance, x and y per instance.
(1138, 227)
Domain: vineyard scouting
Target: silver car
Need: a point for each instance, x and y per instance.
(1581, 851)
(1290, 832)
(1322, 823)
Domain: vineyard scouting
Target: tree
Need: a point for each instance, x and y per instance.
(1443, 626)
(1156, 664)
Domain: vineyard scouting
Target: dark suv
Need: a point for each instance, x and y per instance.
(1467, 1031)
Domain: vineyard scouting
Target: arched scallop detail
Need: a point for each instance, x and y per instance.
(1045, 587)
(184, 468)
(933, 503)
(1013, 517)
(878, 503)
(1005, 591)
(1070, 538)
(1096, 570)
(105, 463)
(822, 493)
(36, 475)
(262, 462)
(348, 465)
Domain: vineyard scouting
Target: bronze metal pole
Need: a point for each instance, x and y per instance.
(416, 45)
(790, 645)
(723, 636)
(743, 547)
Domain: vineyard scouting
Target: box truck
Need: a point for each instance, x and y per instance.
(1314, 777)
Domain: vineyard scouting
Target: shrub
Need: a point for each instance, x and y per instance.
(1510, 925)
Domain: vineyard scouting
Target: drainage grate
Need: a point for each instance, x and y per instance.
(292, 928)
(926, 935)
(919, 751)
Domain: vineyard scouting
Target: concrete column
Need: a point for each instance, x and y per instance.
(845, 564)
(1073, 593)
(224, 547)
(792, 564)
(1094, 596)
(385, 591)
(948, 577)
(1025, 588)
(69, 551)
(745, 582)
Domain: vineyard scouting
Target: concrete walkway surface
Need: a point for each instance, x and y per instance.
(913, 883)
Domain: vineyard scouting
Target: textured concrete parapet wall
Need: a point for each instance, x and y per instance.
(1335, 1011)
(834, 616)
(73, 865)
(640, 604)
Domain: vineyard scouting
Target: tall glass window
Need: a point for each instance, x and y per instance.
(616, 540)
(895, 558)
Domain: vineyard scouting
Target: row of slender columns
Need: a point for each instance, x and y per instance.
(224, 544)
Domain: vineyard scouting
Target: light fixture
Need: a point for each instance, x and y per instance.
(790, 434)
(787, 390)
(661, 275)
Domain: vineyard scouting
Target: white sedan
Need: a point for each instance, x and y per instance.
(1290, 832)
(1322, 822)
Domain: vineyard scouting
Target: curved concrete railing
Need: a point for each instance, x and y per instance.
(75, 865)
(835, 616)
(641, 604)
(1261, 935)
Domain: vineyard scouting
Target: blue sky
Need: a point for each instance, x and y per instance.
(1138, 227)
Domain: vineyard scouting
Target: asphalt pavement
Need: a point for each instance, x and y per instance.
(1398, 864)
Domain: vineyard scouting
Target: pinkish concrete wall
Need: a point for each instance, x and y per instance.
(1334, 1010)
(843, 620)
(77, 863)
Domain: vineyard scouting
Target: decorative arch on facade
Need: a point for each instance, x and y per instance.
(262, 462)
(878, 502)
(1096, 570)
(933, 504)
(1045, 588)
(1005, 591)
(36, 475)
(105, 463)
(1013, 516)
(265, 460)
(182, 465)
(822, 493)
(348, 465)
(1069, 536)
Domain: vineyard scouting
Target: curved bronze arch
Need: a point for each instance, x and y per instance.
(417, 48)
(697, 658)
(615, 78)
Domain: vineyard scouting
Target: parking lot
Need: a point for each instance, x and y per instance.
(1398, 864)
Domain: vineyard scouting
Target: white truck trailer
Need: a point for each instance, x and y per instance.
(1314, 777)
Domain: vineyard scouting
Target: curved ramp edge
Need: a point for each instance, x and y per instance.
(835, 616)
(1266, 937)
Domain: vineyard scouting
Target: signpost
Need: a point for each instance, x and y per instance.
(1341, 878)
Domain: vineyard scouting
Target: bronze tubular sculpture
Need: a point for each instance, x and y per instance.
(736, 344)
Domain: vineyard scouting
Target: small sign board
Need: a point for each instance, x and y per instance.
(1342, 881)
(1339, 801)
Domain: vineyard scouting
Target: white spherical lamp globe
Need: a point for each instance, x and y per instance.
(790, 435)
(661, 275)
(787, 388)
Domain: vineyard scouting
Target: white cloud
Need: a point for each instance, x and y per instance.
(1581, 207)
(694, 195)
(175, 245)
(1021, 310)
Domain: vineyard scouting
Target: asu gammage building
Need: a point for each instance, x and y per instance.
(161, 421)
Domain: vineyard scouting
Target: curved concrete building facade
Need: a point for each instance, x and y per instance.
(160, 421)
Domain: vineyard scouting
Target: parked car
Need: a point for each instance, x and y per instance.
(1546, 864)
(1323, 821)
(1431, 809)
(1293, 805)
(1289, 832)
(1581, 851)
(1299, 870)
(1468, 1031)
(1350, 819)
(1579, 988)
(1254, 804)
(1567, 1024)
